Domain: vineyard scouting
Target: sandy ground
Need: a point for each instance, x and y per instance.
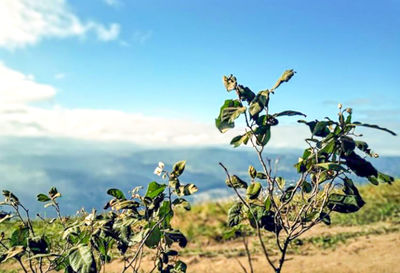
(365, 254)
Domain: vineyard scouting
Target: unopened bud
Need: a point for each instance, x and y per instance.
(340, 106)
(349, 110)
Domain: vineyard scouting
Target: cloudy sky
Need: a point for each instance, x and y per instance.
(149, 72)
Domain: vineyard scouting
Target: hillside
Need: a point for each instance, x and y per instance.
(367, 241)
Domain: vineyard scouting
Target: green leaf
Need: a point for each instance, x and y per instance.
(287, 194)
(240, 139)
(261, 175)
(81, 259)
(234, 214)
(182, 202)
(331, 166)
(154, 189)
(10, 197)
(374, 127)
(236, 182)
(179, 167)
(116, 193)
(289, 113)
(258, 103)
(190, 189)
(317, 128)
(43, 197)
(230, 82)
(230, 114)
(263, 135)
(20, 236)
(252, 172)
(286, 76)
(280, 181)
(154, 238)
(255, 108)
(224, 125)
(253, 190)
(267, 203)
(384, 178)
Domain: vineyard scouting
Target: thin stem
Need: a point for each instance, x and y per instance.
(259, 235)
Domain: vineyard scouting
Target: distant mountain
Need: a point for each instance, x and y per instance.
(84, 171)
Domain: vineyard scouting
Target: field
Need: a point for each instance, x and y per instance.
(367, 241)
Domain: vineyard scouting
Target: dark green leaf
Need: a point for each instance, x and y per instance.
(360, 166)
(374, 126)
(19, 237)
(245, 93)
(180, 267)
(347, 144)
(307, 188)
(325, 218)
(289, 113)
(235, 182)
(345, 203)
(38, 245)
(116, 193)
(177, 236)
(154, 238)
(43, 197)
(234, 214)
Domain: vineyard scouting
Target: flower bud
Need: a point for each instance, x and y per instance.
(340, 106)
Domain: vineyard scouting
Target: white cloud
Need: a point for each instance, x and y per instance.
(113, 3)
(142, 37)
(105, 34)
(19, 118)
(27, 22)
(59, 76)
(18, 88)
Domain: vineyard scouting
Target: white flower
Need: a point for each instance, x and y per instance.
(158, 171)
(340, 106)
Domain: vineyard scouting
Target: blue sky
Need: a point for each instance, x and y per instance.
(156, 66)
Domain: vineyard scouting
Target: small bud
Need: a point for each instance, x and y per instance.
(375, 155)
(340, 106)
(349, 110)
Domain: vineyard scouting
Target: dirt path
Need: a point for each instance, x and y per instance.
(365, 254)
